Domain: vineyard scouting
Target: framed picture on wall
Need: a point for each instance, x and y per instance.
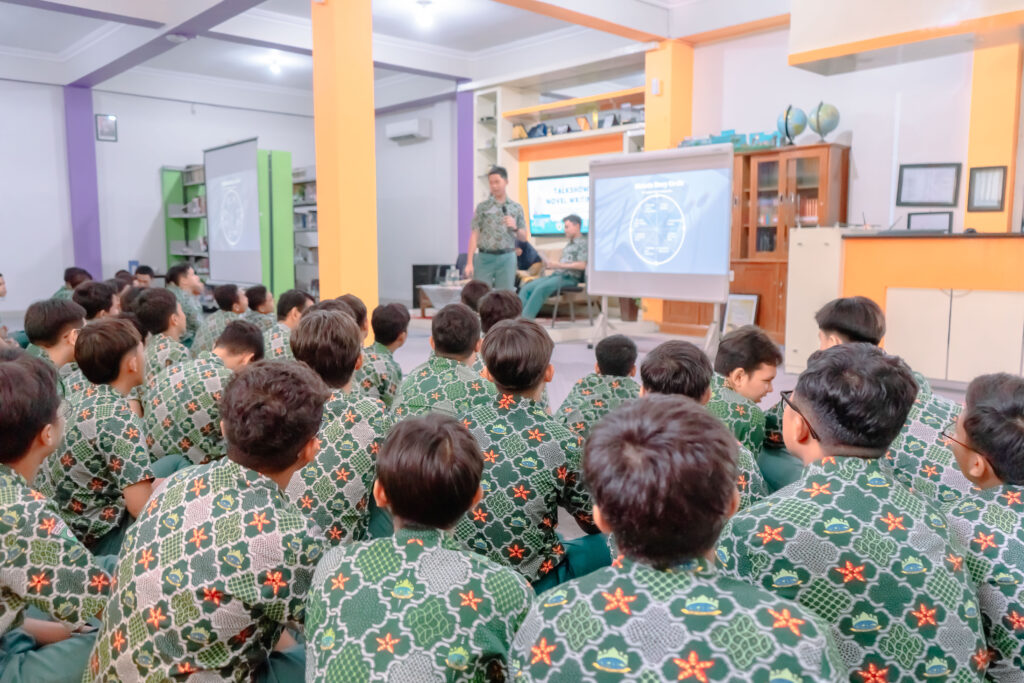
(928, 185)
(740, 310)
(106, 127)
(931, 221)
(987, 188)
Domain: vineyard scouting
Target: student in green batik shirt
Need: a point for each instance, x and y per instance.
(497, 223)
(390, 324)
(988, 442)
(290, 308)
(162, 317)
(662, 473)
(72, 278)
(262, 312)
(472, 292)
(100, 300)
(334, 489)
(446, 383)
(416, 606)
(603, 390)
(847, 541)
(185, 285)
(232, 304)
(568, 272)
(45, 568)
(219, 564)
(52, 328)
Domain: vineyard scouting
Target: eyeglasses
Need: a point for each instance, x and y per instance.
(786, 399)
(949, 430)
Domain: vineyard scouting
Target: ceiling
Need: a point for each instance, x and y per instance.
(220, 59)
(38, 30)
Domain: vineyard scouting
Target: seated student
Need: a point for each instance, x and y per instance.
(680, 368)
(390, 324)
(52, 327)
(847, 541)
(571, 268)
(144, 276)
(366, 380)
(121, 282)
(446, 383)
(472, 292)
(988, 442)
(290, 308)
(44, 567)
(261, 311)
(102, 471)
(100, 300)
(220, 562)
(661, 470)
(602, 391)
(428, 476)
(164, 321)
(501, 304)
(529, 263)
(185, 285)
(334, 489)
(531, 467)
(72, 278)
(232, 303)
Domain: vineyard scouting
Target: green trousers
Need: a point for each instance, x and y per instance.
(284, 667)
(21, 659)
(536, 292)
(779, 467)
(169, 464)
(582, 556)
(497, 270)
(111, 543)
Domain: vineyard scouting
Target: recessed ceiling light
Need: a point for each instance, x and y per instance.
(178, 38)
(424, 14)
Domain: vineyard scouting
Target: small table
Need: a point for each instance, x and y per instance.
(439, 296)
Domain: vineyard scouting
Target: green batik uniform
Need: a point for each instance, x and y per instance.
(535, 292)
(215, 568)
(593, 397)
(334, 490)
(104, 452)
(532, 467)
(380, 376)
(495, 263)
(74, 381)
(40, 353)
(277, 343)
(739, 413)
(210, 330)
(633, 622)
(412, 607)
(162, 352)
(874, 561)
(442, 385)
(193, 312)
(479, 366)
(990, 525)
(264, 321)
(183, 409)
(64, 293)
(749, 480)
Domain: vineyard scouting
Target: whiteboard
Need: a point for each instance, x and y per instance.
(232, 213)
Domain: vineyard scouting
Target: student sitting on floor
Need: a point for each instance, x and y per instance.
(232, 303)
(261, 311)
(988, 442)
(101, 478)
(290, 308)
(849, 542)
(472, 292)
(183, 282)
(446, 383)
(100, 300)
(334, 489)
(72, 278)
(661, 470)
(390, 324)
(220, 562)
(162, 317)
(44, 566)
(501, 304)
(428, 475)
(603, 390)
(531, 467)
(52, 327)
(679, 368)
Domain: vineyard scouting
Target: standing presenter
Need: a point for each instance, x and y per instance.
(497, 224)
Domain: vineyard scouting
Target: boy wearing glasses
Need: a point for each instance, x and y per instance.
(988, 442)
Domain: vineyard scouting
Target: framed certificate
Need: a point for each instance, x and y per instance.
(740, 310)
(932, 221)
(928, 185)
(987, 188)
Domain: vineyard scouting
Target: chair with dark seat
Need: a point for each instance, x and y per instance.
(572, 295)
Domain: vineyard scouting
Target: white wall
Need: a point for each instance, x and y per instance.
(417, 216)
(909, 113)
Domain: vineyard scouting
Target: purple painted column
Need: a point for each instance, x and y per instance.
(80, 141)
(464, 159)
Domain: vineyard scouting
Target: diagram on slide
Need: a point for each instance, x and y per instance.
(232, 216)
(657, 229)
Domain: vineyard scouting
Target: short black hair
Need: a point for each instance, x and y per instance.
(330, 343)
(676, 367)
(226, 296)
(154, 307)
(389, 322)
(993, 420)
(145, 270)
(75, 276)
(616, 355)
(135, 322)
(130, 296)
(852, 319)
(455, 331)
(293, 298)
(472, 292)
(517, 353)
(748, 348)
(101, 347)
(46, 321)
(256, 296)
(430, 469)
(331, 305)
(95, 297)
(123, 279)
(358, 308)
(497, 306)
(176, 272)
(855, 396)
(573, 218)
(28, 395)
(241, 337)
(270, 411)
(498, 170)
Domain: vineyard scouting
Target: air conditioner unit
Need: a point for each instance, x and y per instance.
(408, 131)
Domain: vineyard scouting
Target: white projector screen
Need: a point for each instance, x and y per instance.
(661, 224)
(232, 213)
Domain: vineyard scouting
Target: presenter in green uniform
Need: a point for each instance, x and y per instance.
(497, 224)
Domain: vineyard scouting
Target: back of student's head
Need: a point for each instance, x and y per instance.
(256, 296)
(358, 308)
(517, 354)
(852, 319)
(290, 300)
(330, 343)
(226, 296)
(48, 320)
(331, 305)
(455, 331)
(676, 367)
(993, 420)
(176, 272)
(101, 347)
(28, 402)
(154, 307)
(855, 395)
(270, 411)
(430, 470)
(76, 276)
(389, 322)
(95, 297)
(662, 472)
(123, 280)
(616, 355)
(241, 337)
(473, 291)
(497, 306)
(130, 296)
(746, 348)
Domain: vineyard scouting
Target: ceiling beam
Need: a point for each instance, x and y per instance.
(631, 19)
(132, 13)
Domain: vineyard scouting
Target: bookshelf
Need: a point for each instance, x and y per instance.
(307, 259)
(184, 199)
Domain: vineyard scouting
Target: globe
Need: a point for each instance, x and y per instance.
(824, 119)
(792, 122)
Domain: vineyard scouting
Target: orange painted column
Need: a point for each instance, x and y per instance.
(994, 128)
(346, 173)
